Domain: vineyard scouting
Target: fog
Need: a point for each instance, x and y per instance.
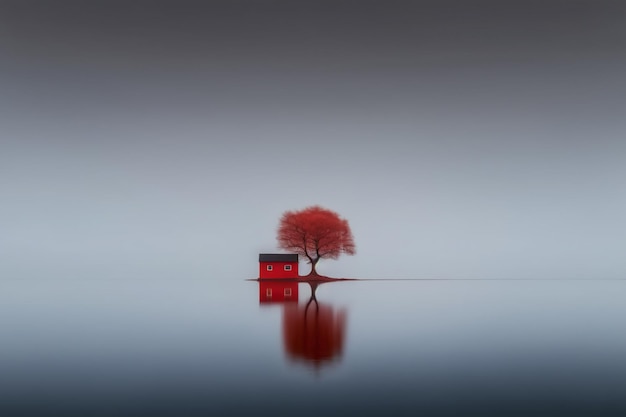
(165, 140)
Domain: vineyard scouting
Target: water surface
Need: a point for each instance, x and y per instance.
(105, 347)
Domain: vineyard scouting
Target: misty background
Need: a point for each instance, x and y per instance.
(460, 139)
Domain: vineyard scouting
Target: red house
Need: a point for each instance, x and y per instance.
(278, 292)
(278, 265)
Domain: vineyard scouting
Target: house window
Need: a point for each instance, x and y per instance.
(287, 292)
(270, 267)
(287, 267)
(268, 292)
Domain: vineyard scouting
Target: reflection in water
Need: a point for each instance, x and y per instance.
(313, 333)
(278, 292)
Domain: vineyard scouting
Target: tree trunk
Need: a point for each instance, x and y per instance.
(313, 263)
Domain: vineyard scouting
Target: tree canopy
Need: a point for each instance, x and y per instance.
(315, 233)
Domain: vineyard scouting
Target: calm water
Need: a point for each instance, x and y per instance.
(193, 347)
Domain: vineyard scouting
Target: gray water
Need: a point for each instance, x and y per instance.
(188, 346)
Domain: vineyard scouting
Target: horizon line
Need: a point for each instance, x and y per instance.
(304, 279)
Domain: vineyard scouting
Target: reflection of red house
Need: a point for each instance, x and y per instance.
(278, 265)
(278, 292)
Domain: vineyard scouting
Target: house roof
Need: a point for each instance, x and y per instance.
(278, 257)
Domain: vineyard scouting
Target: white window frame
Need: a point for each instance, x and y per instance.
(287, 267)
(270, 267)
(287, 292)
(268, 292)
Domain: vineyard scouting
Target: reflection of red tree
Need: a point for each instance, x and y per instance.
(314, 333)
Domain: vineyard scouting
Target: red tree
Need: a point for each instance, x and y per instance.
(315, 233)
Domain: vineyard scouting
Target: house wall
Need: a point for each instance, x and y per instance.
(278, 270)
(278, 292)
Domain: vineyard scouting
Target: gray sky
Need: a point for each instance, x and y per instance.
(460, 139)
